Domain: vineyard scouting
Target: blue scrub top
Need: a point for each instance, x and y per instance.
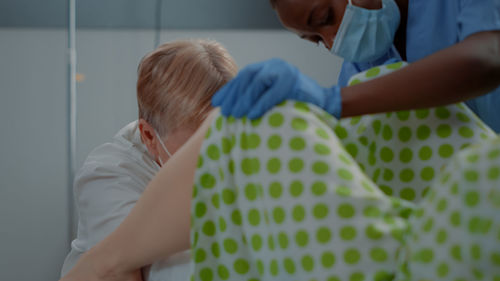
(434, 25)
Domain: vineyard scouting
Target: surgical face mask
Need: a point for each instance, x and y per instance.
(365, 35)
(164, 148)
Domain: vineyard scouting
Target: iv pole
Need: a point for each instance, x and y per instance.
(72, 115)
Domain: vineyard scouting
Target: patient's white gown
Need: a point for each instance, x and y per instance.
(106, 188)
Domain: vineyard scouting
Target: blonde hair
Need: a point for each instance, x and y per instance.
(177, 81)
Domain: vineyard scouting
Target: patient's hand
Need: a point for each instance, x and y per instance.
(90, 268)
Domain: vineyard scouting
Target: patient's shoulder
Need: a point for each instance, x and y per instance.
(112, 164)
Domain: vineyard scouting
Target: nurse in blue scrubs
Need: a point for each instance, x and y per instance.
(453, 45)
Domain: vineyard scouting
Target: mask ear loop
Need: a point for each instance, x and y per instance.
(342, 29)
(163, 146)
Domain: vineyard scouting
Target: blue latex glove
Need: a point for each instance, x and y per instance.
(259, 87)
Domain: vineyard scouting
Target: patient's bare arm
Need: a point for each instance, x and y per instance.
(157, 227)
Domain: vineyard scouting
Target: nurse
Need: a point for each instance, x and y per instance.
(175, 84)
(451, 43)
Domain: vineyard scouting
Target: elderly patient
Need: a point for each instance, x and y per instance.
(300, 195)
(174, 88)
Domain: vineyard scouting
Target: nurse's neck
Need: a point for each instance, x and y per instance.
(400, 36)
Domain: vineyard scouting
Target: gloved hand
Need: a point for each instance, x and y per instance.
(259, 87)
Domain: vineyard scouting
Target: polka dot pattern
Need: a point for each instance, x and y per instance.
(409, 144)
(298, 194)
(295, 176)
(459, 220)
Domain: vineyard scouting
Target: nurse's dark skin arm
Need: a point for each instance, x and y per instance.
(466, 70)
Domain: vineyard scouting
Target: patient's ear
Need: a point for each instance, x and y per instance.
(148, 137)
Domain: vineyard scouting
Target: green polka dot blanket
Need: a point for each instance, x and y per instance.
(299, 195)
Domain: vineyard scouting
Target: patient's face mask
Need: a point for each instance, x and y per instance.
(164, 149)
(365, 35)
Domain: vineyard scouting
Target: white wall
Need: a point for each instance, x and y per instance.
(33, 109)
(33, 221)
